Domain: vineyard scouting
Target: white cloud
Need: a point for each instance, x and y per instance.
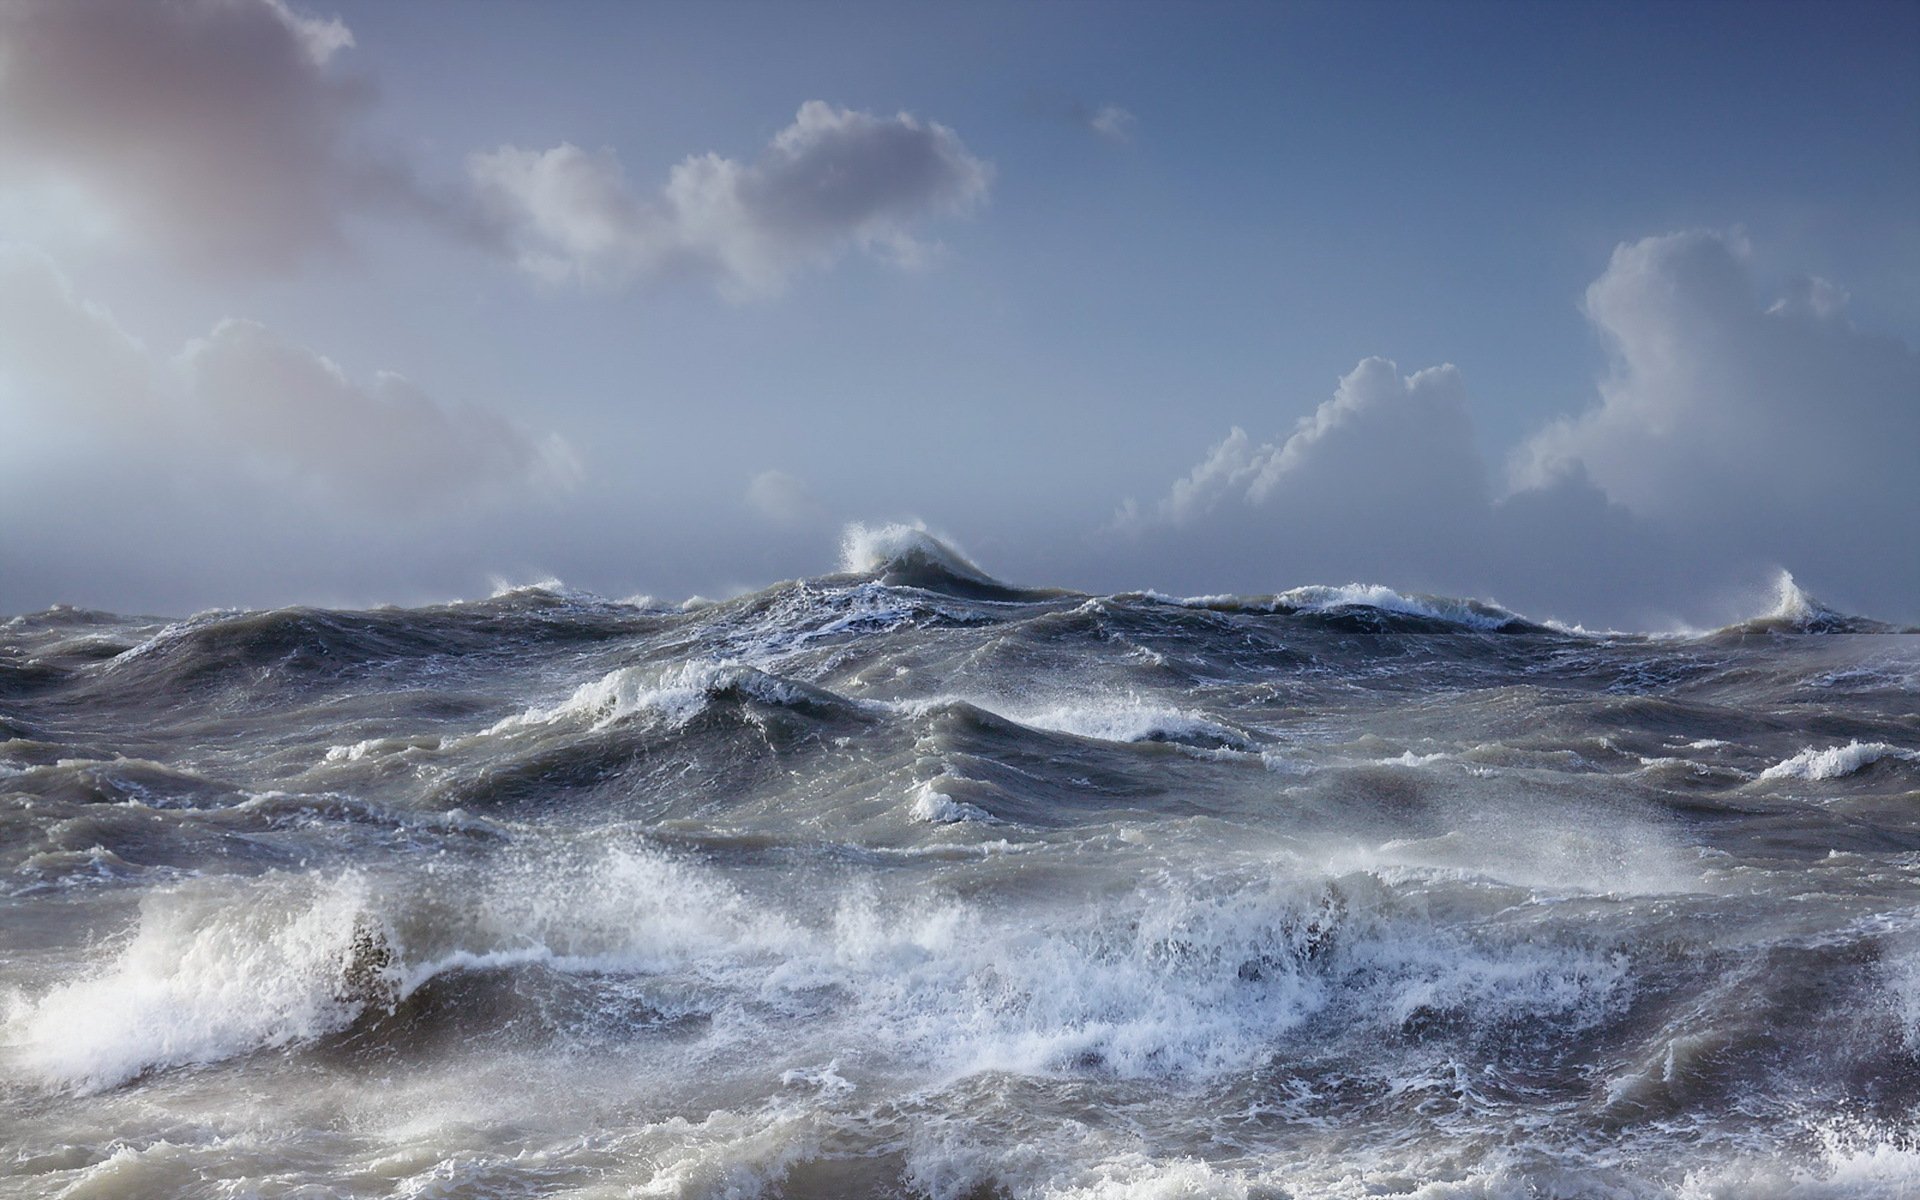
(833, 180)
(241, 395)
(1383, 442)
(1385, 473)
(1724, 408)
(213, 130)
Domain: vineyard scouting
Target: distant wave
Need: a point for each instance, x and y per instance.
(1128, 719)
(1365, 601)
(1796, 611)
(911, 556)
(675, 695)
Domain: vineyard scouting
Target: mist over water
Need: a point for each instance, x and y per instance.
(905, 881)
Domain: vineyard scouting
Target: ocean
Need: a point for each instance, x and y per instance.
(904, 881)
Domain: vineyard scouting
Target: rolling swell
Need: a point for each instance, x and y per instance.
(905, 881)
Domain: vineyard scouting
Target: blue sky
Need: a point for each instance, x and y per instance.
(1278, 193)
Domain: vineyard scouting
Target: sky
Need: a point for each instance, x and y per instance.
(1604, 311)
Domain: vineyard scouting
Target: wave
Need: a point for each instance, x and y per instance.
(290, 646)
(1795, 610)
(936, 807)
(675, 695)
(1169, 980)
(1836, 762)
(1371, 607)
(211, 972)
(1125, 718)
(911, 556)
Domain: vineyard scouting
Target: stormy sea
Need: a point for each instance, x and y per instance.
(904, 881)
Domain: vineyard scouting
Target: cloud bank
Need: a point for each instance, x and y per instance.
(833, 181)
(1733, 434)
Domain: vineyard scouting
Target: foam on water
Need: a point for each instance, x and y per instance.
(1857, 1161)
(1122, 717)
(674, 695)
(1170, 979)
(1472, 614)
(1834, 762)
(207, 975)
(910, 551)
(937, 808)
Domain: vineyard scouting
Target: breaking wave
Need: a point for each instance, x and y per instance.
(1836, 762)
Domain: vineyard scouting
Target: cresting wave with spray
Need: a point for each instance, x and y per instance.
(903, 881)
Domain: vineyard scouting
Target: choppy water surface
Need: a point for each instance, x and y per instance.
(902, 882)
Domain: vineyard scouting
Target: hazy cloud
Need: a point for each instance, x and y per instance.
(383, 442)
(784, 499)
(243, 394)
(833, 180)
(1109, 122)
(215, 130)
(63, 355)
(1112, 123)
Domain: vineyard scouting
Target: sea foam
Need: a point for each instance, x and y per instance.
(1835, 762)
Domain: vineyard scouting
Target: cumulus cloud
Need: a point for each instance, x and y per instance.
(243, 394)
(1385, 468)
(1734, 432)
(1773, 419)
(217, 131)
(834, 180)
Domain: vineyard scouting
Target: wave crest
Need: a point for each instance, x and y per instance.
(903, 555)
(1836, 762)
(1795, 610)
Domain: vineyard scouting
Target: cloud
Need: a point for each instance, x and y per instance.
(214, 130)
(384, 443)
(783, 499)
(834, 180)
(63, 355)
(1112, 123)
(243, 398)
(1109, 122)
(1776, 422)
(1384, 467)
(224, 135)
(1733, 433)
